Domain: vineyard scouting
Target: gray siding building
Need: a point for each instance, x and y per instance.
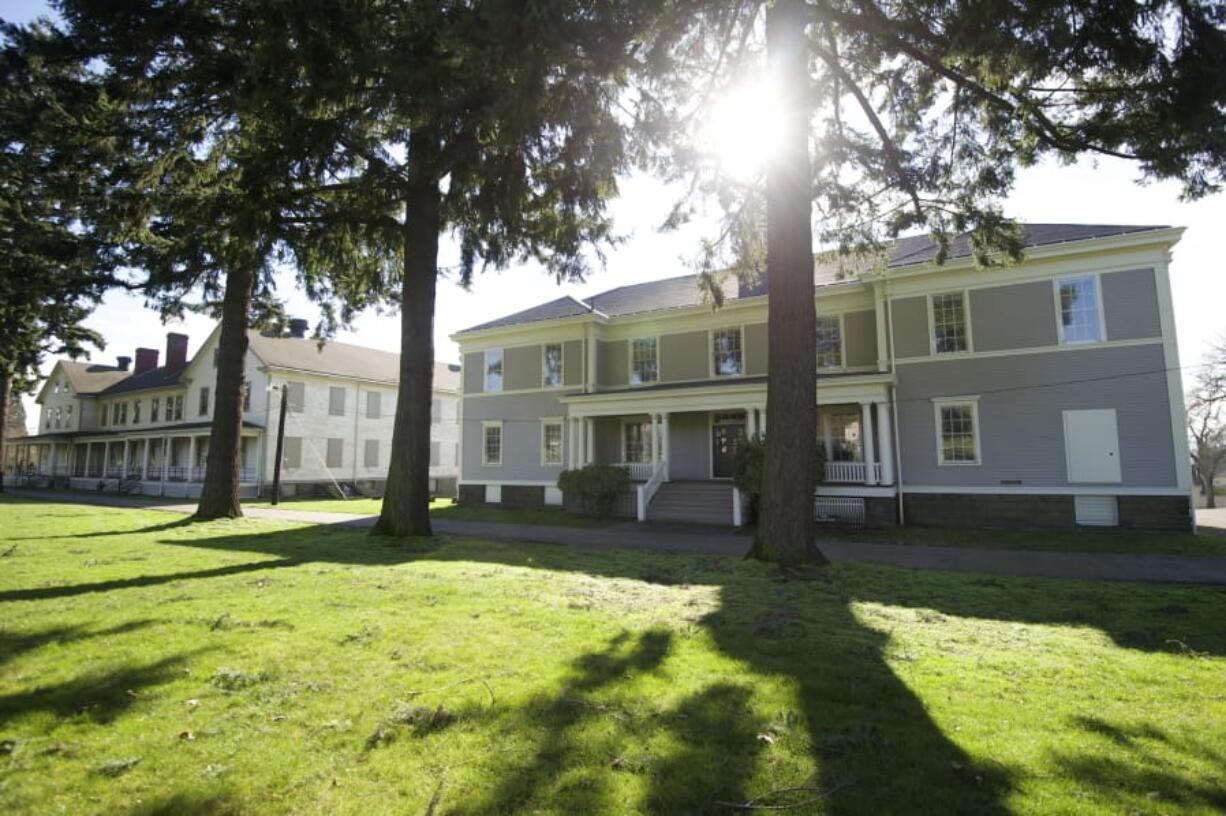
(1043, 394)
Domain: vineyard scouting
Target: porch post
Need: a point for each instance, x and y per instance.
(589, 444)
(165, 464)
(750, 422)
(144, 466)
(191, 457)
(665, 446)
(866, 437)
(106, 458)
(655, 439)
(55, 451)
(123, 470)
(886, 429)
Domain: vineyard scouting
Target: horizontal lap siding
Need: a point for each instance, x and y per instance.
(1021, 405)
(521, 437)
(1014, 317)
(683, 356)
(860, 340)
(1130, 304)
(910, 326)
(689, 441)
(756, 346)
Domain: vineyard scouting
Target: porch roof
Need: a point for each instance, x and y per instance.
(158, 430)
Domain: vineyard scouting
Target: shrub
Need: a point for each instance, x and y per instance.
(750, 464)
(597, 487)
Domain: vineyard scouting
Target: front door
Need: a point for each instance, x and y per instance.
(727, 431)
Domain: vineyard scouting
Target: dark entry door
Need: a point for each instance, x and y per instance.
(727, 431)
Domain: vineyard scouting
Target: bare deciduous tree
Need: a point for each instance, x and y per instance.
(1207, 421)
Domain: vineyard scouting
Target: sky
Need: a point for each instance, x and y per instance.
(1102, 191)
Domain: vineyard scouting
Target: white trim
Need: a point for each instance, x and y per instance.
(947, 402)
(562, 440)
(1097, 279)
(984, 355)
(1089, 490)
(492, 423)
(516, 482)
(1174, 380)
(854, 491)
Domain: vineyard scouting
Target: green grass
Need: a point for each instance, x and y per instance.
(151, 665)
(444, 509)
(1091, 541)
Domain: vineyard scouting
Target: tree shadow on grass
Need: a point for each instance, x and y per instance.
(71, 590)
(100, 696)
(14, 644)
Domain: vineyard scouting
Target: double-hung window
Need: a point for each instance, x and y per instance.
(491, 444)
(949, 327)
(154, 405)
(727, 357)
(203, 407)
(493, 370)
(644, 364)
(551, 365)
(551, 442)
(829, 343)
(136, 412)
(1080, 315)
(636, 442)
(957, 422)
(178, 407)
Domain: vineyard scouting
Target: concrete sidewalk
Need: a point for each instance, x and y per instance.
(718, 541)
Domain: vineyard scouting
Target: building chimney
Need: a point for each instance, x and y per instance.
(298, 327)
(146, 360)
(123, 363)
(176, 351)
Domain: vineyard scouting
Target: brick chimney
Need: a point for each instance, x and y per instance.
(122, 363)
(146, 360)
(298, 327)
(176, 351)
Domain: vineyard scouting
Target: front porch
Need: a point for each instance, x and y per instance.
(147, 464)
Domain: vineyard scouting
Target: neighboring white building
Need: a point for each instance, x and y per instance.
(146, 428)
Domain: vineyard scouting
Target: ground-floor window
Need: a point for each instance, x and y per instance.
(551, 442)
(636, 442)
(957, 422)
(841, 434)
(491, 444)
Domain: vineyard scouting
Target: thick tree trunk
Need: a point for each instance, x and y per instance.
(1209, 489)
(406, 500)
(6, 395)
(219, 495)
(786, 529)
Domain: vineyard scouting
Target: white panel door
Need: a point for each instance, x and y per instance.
(1092, 446)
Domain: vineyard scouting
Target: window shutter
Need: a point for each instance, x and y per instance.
(296, 394)
(336, 452)
(372, 453)
(435, 455)
(436, 410)
(293, 452)
(336, 401)
(374, 402)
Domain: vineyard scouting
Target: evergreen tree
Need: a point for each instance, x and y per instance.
(918, 115)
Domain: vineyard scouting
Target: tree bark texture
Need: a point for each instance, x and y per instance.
(406, 500)
(786, 529)
(219, 495)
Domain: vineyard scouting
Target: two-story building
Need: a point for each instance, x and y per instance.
(145, 428)
(1046, 393)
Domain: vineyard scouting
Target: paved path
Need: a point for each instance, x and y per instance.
(1211, 521)
(717, 541)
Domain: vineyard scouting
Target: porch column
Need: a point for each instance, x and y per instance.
(886, 429)
(106, 458)
(55, 455)
(655, 439)
(144, 466)
(165, 464)
(191, 457)
(123, 471)
(866, 437)
(665, 447)
(589, 443)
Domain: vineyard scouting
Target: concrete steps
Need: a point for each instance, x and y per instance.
(694, 502)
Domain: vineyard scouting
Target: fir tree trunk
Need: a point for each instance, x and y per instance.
(6, 396)
(219, 495)
(406, 500)
(786, 529)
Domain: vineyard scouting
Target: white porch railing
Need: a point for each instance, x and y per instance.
(647, 490)
(851, 472)
(639, 471)
(839, 509)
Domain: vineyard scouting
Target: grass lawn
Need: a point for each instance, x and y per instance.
(1094, 541)
(151, 665)
(446, 509)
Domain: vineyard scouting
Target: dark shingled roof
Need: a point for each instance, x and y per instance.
(160, 377)
(91, 378)
(679, 292)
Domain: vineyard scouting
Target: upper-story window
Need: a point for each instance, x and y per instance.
(644, 361)
(122, 408)
(246, 395)
(551, 374)
(155, 405)
(726, 352)
(68, 416)
(295, 396)
(104, 414)
(1080, 315)
(203, 408)
(178, 405)
(59, 417)
(374, 405)
(493, 370)
(829, 343)
(336, 400)
(135, 412)
(949, 328)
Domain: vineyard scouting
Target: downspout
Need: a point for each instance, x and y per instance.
(897, 441)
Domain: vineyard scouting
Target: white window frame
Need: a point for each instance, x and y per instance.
(649, 445)
(502, 440)
(842, 366)
(561, 365)
(1097, 280)
(932, 323)
(485, 371)
(553, 422)
(655, 348)
(950, 402)
(740, 330)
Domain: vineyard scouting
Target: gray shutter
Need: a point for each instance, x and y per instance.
(372, 453)
(436, 410)
(435, 454)
(296, 394)
(336, 452)
(336, 401)
(374, 402)
(292, 454)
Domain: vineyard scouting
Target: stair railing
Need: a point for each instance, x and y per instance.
(647, 490)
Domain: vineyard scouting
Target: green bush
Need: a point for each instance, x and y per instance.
(750, 464)
(597, 487)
